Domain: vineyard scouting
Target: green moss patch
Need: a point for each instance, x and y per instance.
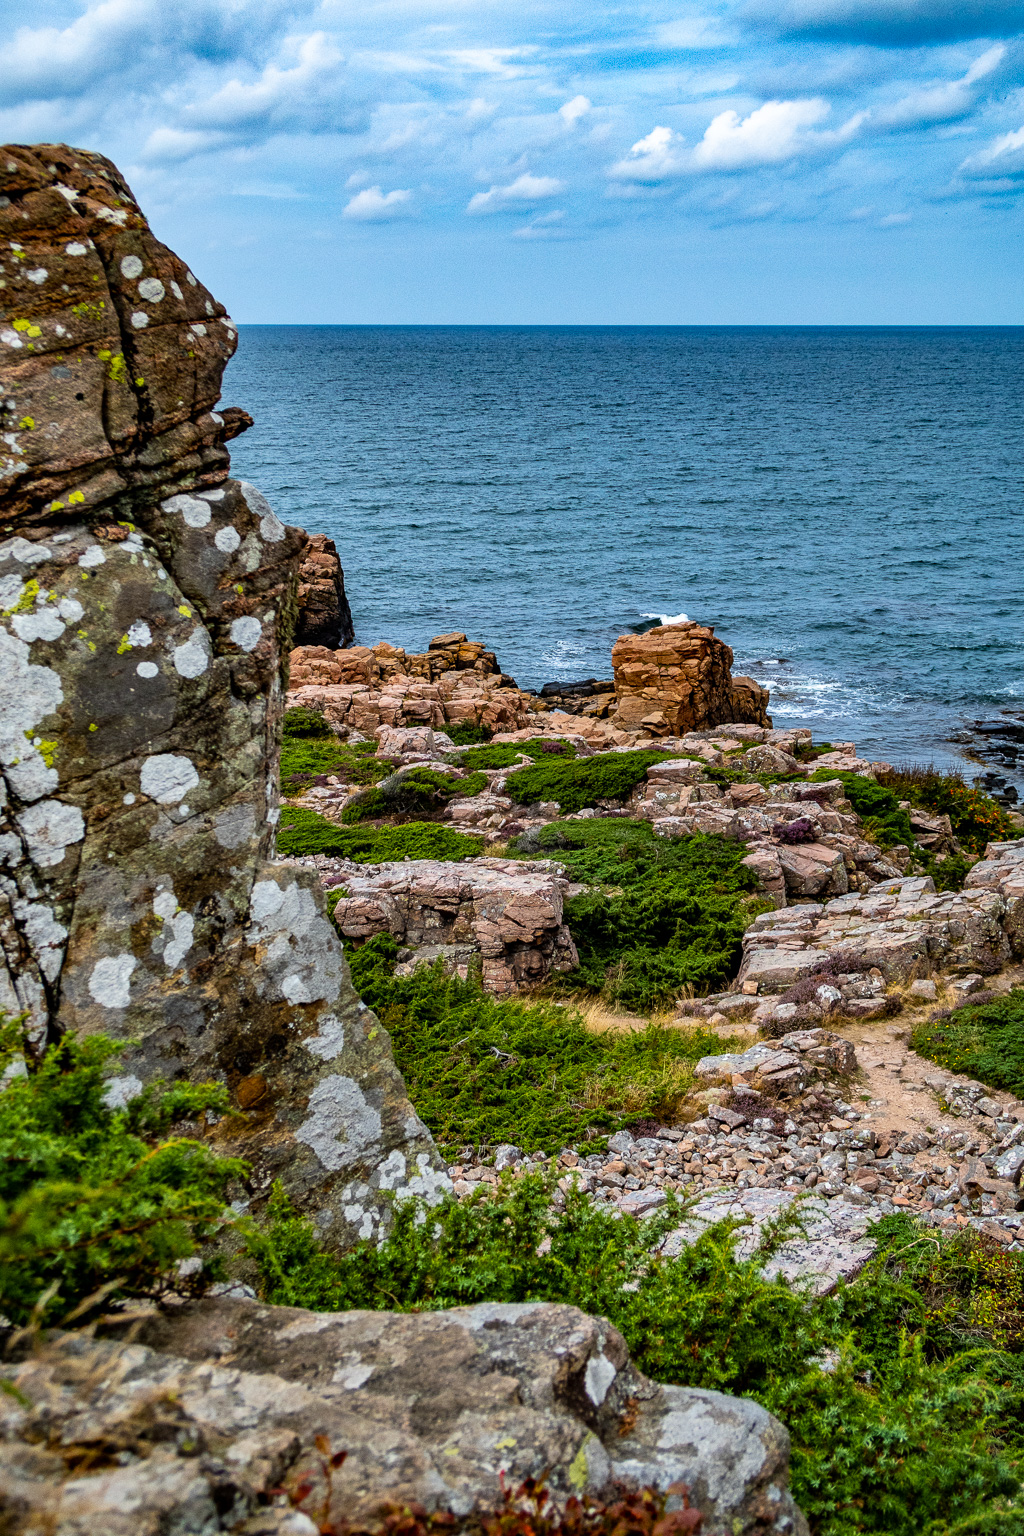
(418, 793)
(303, 832)
(310, 751)
(502, 754)
(985, 1041)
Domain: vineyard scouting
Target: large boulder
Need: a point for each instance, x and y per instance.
(147, 600)
(678, 678)
(197, 1425)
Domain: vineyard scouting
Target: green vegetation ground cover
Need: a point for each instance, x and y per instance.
(502, 754)
(975, 817)
(985, 1041)
(302, 832)
(94, 1199)
(661, 914)
(584, 781)
(310, 750)
(483, 1069)
(421, 792)
(903, 1392)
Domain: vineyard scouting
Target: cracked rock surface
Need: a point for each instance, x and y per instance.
(212, 1408)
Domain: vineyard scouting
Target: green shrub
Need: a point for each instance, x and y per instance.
(985, 1041)
(675, 914)
(582, 782)
(417, 793)
(301, 724)
(878, 807)
(502, 754)
(302, 832)
(94, 1199)
(975, 817)
(904, 1422)
(480, 1069)
(468, 735)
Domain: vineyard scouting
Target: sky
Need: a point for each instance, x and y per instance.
(549, 162)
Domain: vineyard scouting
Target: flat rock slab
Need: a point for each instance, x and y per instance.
(901, 926)
(223, 1401)
(832, 1246)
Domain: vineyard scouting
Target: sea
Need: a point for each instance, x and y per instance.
(844, 505)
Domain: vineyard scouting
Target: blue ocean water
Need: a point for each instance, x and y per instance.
(845, 506)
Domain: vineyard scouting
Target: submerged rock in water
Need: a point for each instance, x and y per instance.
(147, 603)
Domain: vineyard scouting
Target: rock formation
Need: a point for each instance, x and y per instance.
(220, 1409)
(324, 617)
(146, 600)
(678, 678)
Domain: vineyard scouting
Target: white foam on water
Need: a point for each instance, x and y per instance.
(667, 618)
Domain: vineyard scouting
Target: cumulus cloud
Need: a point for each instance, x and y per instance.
(945, 100)
(658, 157)
(374, 206)
(888, 23)
(772, 134)
(524, 190)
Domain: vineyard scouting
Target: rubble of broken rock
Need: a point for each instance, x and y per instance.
(786, 1125)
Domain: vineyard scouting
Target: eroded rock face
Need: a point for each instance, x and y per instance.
(324, 617)
(146, 600)
(219, 1404)
(506, 912)
(678, 678)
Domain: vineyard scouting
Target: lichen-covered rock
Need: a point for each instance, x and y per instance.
(146, 600)
(677, 678)
(324, 617)
(215, 1407)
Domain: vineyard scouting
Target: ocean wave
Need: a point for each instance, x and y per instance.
(563, 653)
(667, 618)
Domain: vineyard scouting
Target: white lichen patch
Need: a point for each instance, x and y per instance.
(175, 939)
(246, 632)
(140, 320)
(139, 634)
(25, 552)
(44, 934)
(44, 624)
(329, 1041)
(227, 539)
(195, 512)
(342, 1125)
(109, 984)
(93, 556)
(192, 658)
(300, 954)
(152, 290)
(49, 828)
(271, 527)
(131, 267)
(167, 778)
(120, 1091)
(147, 669)
(30, 692)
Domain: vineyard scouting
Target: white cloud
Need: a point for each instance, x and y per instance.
(545, 226)
(525, 189)
(891, 220)
(770, 135)
(571, 111)
(656, 158)
(169, 144)
(277, 92)
(944, 100)
(691, 32)
(1003, 157)
(374, 206)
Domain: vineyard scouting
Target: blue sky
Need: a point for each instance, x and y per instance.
(706, 161)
